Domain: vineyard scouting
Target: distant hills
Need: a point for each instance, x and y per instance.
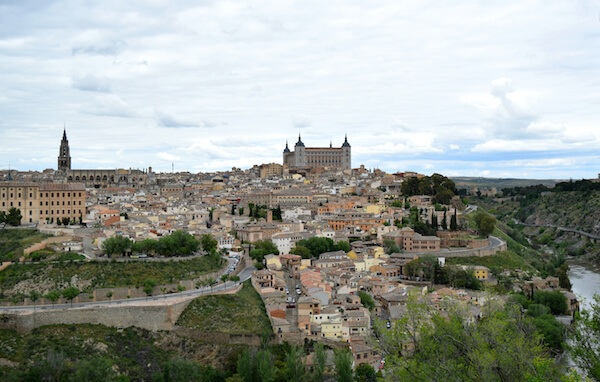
(499, 183)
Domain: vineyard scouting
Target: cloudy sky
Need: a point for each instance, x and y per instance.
(473, 88)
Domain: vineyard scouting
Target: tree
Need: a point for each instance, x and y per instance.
(53, 296)
(208, 242)
(342, 245)
(301, 251)
(234, 278)
(94, 369)
(444, 221)
(65, 221)
(225, 278)
(210, 282)
(319, 359)
(70, 293)
(116, 245)
(485, 223)
(265, 369)
(149, 285)
(585, 339)
(555, 300)
(263, 248)
(294, 362)
(503, 346)
(146, 246)
(365, 373)
(12, 218)
(245, 366)
(343, 365)
(390, 246)
(453, 222)
(366, 300)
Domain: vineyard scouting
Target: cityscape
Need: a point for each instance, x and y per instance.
(226, 191)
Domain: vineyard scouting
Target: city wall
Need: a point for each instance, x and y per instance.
(150, 317)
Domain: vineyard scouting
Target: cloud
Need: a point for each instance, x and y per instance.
(108, 48)
(109, 105)
(168, 120)
(168, 157)
(301, 121)
(91, 83)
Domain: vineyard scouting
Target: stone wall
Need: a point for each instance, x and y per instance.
(153, 316)
(44, 243)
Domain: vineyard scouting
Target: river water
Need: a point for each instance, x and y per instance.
(585, 281)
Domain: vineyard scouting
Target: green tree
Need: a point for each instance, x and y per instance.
(366, 300)
(94, 369)
(319, 360)
(485, 223)
(585, 339)
(301, 251)
(342, 245)
(53, 296)
(225, 278)
(246, 367)
(116, 245)
(65, 221)
(444, 221)
(503, 346)
(146, 246)
(12, 218)
(265, 368)
(182, 243)
(208, 242)
(263, 248)
(453, 222)
(149, 285)
(390, 246)
(182, 370)
(555, 300)
(343, 365)
(70, 293)
(365, 373)
(295, 366)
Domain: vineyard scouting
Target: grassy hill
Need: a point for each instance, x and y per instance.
(138, 354)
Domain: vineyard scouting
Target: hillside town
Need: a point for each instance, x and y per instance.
(338, 295)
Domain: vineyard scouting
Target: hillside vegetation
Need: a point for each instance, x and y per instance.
(544, 216)
(52, 352)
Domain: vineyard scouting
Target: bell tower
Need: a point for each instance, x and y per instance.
(64, 156)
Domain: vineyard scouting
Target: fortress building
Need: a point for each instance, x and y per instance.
(314, 157)
(97, 178)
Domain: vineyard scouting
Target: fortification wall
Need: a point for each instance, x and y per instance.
(151, 316)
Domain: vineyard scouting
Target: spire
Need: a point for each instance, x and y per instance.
(346, 144)
(299, 143)
(64, 138)
(330, 144)
(287, 149)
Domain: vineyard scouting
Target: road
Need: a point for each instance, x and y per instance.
(244, 275)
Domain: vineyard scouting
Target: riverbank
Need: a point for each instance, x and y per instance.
(585, 279)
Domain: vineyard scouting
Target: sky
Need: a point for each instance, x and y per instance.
(502, 89)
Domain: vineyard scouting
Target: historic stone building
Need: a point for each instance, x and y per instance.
(44, 202)
(317, 157)
(97, 178)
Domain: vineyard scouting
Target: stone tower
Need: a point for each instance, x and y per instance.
(64, 155)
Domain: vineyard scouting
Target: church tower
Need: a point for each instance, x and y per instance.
(64, 156)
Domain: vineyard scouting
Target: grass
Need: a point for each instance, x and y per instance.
(241, 313)
(14, 241)
(500, 261)
(108, 274)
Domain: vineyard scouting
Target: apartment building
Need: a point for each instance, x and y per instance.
(44, 202)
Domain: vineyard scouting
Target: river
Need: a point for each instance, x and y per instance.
(585, 280)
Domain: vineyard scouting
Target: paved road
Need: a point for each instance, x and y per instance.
(244, 275)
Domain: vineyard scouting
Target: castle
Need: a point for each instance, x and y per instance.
(315, 157)
(97, 178)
